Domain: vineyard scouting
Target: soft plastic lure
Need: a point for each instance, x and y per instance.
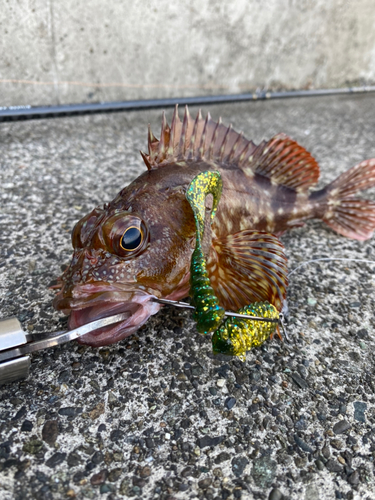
(208, 314)
(234, 336)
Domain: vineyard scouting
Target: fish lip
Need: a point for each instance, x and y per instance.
(88, 294)
(103, 301)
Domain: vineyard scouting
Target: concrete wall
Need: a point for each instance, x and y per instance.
(112, 50)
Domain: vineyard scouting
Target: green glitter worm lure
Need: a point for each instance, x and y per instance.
(234, 336)
(208, 314)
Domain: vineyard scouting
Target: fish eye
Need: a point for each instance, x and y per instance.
(131, 239)
(126, 235)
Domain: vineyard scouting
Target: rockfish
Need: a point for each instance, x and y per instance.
(139, 246)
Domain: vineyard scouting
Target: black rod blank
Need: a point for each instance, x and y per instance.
(18, 113)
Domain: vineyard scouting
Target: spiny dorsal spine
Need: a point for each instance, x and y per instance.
(199, 139)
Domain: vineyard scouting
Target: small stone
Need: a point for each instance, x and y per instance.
(97, 458)
(354, 478)
(363, 334)
(56, 459)
(64, 377)
(21, 413)
(112, 398)
(300, 462)
(312, 301)
(229, 403)
(105, 488)
(70, 411)
(185, 423)
(333, 466)
(319, 465)
(217, 472)
(136, 490)
(150, 443)
(302, 444)
(342, 409)
(99, 477)
(222, 457)
(299, 381)
(275, 494)
(33, 446)
(238, 465)
(97, 411)
(74, 459)
(27, 426)
(118, 456)
(220, 382)
(354, 305)
(116, 435)
(359, 411)
(145, 472)
(336, 443)
(341, 426)
(263, 471)
(209, 441)
(196, 370)
(50, 432)
(114, 475)
(188, 471)
(301, 424)
(253, 408)
(79, 478)
(204, 483)
(125, 487)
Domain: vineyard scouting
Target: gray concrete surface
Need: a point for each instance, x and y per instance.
(138, 49)
(149, 417)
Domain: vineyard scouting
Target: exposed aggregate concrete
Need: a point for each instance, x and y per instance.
(158, 416)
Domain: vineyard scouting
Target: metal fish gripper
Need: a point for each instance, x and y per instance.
(17, 345)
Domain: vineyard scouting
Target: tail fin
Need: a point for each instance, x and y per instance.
(345, 214)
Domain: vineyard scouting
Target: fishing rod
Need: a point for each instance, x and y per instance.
(20, 113)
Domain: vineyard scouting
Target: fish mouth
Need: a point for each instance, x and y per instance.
(94, 301)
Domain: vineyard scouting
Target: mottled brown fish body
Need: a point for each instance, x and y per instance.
(139, 245)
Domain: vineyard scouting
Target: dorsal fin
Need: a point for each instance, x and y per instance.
(196, 139)
(285, 162)
(280, 159)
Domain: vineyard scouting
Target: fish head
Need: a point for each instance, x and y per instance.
(126, 253)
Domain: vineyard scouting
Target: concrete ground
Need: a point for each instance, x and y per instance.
(157, 416)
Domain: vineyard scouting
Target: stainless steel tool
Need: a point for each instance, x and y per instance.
(16, 345)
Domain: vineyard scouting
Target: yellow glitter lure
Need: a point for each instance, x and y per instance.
(234, 336)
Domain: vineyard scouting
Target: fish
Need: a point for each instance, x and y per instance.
(138, 247)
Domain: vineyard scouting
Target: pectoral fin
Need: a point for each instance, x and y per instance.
(247, 267)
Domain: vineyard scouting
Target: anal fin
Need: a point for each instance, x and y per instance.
(246, 267)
